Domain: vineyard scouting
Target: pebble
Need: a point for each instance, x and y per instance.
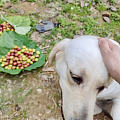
(114, 9)
(21, 11)
(9, 81)
(0, 113)
(39, 90)
(106, 19)
(82, 3)
(86, 4)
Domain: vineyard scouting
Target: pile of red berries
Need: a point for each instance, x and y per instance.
(6, 26)
(19, 58)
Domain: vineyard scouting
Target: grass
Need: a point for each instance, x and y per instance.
(73, 14)
(102, 7)
(16, 1)
(74, 19)
(2, 2)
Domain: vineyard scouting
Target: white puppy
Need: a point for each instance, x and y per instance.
(86, 85)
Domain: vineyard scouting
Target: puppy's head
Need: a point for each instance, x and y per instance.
(82, 75)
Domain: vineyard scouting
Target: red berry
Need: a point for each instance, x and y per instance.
(28, 64)
(31, 53)
(15, 63)
(18, 49)
(19, 56)
(33, 60)
(12, 54)
(29, 57)
(16, 54)
(15, 51)
(25, 66)
(8, 57)
(8, 54)
(19, 65)
(13, 67)
(25, 52)
(24, 62)
(4, 27)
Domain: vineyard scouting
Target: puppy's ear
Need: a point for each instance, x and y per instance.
(58, 48)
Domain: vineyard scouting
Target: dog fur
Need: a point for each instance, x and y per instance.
(83, 75)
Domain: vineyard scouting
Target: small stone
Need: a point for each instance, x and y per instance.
(86, 4)
(21, 11)
(106, 19)
(114, 9)
(39, 114)
(9, 81)
(93, 3)
(60, 103)
(39, 90)
(82, 3)
(0, 113)
(32, 3)
(9, 89)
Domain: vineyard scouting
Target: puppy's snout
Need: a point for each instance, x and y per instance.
(81, 115)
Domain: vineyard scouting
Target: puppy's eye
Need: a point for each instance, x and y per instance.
(100, 89)
(76, 78)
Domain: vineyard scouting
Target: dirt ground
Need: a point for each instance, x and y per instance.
(34, 95)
